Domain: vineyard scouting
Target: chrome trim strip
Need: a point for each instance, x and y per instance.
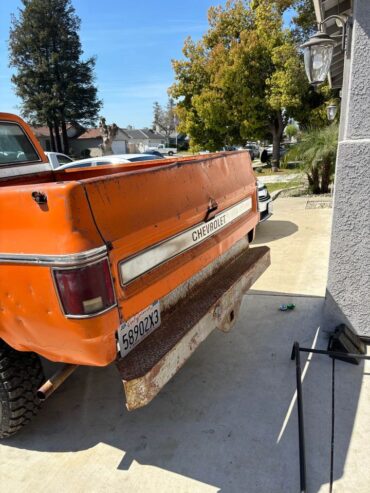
(92, 315)
(135, 266)
(72, 259)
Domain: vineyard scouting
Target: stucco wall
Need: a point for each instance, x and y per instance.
(348, 289)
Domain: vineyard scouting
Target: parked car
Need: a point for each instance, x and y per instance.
(153, 152)
(282, 151)
(57, 159)
(254, 150)
(111, 159)
(264, 201)
(228, 148)
(168, 151)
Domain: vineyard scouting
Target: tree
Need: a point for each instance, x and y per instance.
(304, 19)
(55, 85)
(291, 130)
(243, 79)
(108, 133)
(317, 151)
(164, 118)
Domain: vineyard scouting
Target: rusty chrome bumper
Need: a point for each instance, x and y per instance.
(214, 303)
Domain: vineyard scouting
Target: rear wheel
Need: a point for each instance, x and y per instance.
(20, 376)
(170, 153)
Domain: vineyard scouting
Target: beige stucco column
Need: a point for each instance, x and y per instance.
(348, 287)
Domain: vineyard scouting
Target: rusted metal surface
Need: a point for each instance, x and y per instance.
(185, 289)
(55, 381)
(214, 303)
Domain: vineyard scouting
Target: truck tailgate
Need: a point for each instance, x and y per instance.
(138, 210)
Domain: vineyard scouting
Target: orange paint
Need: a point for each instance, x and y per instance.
(127, 208)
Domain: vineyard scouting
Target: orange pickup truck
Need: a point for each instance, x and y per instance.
(134, 264)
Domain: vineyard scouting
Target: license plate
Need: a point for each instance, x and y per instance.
(137, 328)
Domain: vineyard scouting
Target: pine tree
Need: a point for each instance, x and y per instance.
(164, 117)
(55, 85)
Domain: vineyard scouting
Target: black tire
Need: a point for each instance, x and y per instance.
(20, 376)
(170, 153)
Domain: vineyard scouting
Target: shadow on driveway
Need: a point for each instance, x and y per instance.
(272, 230)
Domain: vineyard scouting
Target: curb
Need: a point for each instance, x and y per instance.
(275, 195)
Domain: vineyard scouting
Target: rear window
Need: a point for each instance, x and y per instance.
(64, 159)
(15, 146)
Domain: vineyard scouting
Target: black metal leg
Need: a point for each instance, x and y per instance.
(332, 426)
(302, 452)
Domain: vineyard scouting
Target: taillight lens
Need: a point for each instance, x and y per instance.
(87, 290)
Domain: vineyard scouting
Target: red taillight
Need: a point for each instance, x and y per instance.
(85, 291)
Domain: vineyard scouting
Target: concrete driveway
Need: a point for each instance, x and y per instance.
(227, 421)
(299, 241)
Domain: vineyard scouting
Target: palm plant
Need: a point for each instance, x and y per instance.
(317, 152)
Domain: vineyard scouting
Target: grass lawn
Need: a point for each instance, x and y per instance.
(272, 187)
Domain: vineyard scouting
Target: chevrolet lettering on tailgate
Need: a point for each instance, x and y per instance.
(138, 265)
(209, 228)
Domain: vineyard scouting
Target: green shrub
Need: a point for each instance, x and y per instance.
(316, 153)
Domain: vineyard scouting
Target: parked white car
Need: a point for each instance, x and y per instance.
(167, 151)
(111, 159)
(264, 201)
(57, 159)
(254, 150)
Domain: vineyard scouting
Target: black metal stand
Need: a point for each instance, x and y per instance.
(296, 355)
(302, 449)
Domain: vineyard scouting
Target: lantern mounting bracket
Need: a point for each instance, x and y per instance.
(344, 21)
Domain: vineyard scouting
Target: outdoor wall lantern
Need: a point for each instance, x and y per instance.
(318, 50)
(331, 111)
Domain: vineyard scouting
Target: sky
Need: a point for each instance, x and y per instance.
(134, 42)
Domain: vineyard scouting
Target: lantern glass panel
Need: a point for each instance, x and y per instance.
(317, 60)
